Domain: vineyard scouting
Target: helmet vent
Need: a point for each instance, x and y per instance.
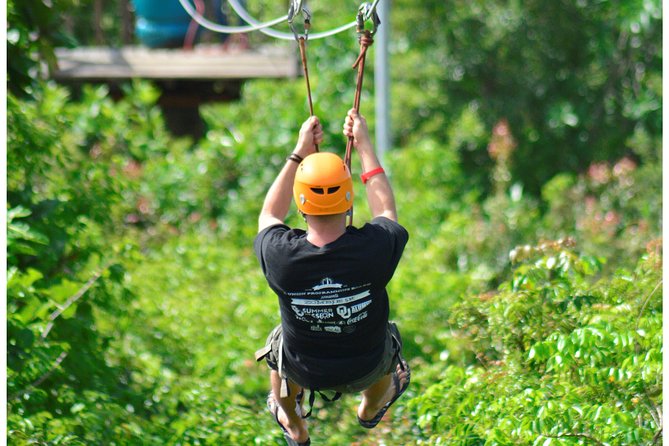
(332, 190)
(317, 190)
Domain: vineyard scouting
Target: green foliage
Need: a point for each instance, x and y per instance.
(66, 194)
(610, 207)
(562, 360)
(527, 174)
(574, 79)
(32, 33)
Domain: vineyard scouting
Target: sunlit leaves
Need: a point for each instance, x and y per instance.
(586, 373)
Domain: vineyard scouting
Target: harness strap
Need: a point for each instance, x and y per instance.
(337, 395)
(312, 398)
(285, 390)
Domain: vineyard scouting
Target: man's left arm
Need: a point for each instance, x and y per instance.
(280, 194)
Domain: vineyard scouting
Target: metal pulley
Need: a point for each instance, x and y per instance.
(367, 13)
(299, 7)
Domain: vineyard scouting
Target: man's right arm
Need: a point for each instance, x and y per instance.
(280, 194)
(379, 192)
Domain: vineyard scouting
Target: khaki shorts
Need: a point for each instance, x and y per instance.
(388, 363)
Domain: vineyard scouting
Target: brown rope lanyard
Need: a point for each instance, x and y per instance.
(298, 7)
(366, 41)
(303, 54)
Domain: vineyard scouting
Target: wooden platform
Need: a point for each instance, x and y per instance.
(186, 78)
(211, 62)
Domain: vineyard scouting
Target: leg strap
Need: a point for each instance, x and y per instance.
(312, 398)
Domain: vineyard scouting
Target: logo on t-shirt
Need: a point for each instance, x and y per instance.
(331, 305)
(327, 283)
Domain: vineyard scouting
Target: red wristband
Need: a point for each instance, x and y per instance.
(366, 176)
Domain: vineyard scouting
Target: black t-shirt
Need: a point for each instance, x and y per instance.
(333, 300)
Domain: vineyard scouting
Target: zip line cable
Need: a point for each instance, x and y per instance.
(205, 23)
(253, 24)
(241, 12)
(370, 11)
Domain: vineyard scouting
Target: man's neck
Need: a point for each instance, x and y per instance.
(322, 230)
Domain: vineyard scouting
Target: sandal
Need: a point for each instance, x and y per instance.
(273, 408)
(369, 424)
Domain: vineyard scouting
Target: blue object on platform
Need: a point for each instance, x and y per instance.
(160, 23)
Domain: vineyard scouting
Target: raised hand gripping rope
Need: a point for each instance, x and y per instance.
(299, 7)
(365, 37)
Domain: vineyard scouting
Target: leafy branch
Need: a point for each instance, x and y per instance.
(645, 302)
(52, 318)
(41, 379)
(657, 436)
(75, 297)
(575, 435)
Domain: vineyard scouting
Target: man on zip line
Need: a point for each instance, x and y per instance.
(331, 283)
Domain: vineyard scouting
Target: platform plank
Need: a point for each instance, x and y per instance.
(201, 63)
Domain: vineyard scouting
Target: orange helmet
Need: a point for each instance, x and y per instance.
(323, 185)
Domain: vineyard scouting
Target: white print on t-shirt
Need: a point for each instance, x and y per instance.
(327, 283)
(318, 313)
(331, 299)
(330, 305)
(344, 311)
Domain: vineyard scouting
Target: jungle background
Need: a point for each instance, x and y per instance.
(526, 163)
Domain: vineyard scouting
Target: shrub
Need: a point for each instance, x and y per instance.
(560, 358)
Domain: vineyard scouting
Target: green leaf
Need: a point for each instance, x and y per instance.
(63, 291)
(17, 212)
(561, 343)
(24, 338)
(21, 231)
(77, 408)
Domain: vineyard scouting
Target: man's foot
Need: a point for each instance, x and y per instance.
(295, 432)
(369, 416)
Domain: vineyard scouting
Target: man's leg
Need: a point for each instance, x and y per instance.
(378, 394)
(291, 420)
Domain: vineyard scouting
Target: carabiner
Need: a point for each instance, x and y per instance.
(299, 7)
(367, 11)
